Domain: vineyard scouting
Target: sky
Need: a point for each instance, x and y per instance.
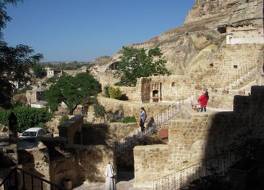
(81, 30)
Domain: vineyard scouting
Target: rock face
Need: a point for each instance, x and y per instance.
(226, 11)
(201, 34)
(199, 48)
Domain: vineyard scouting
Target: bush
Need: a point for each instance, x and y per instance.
(114, 93)
(4, 117)
(26, 117)
(130, 119)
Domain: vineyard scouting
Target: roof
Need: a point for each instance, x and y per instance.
(34, 129)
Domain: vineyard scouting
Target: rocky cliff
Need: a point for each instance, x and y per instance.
(199, 48)
(226, 11)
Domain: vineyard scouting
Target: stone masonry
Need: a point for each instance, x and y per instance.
(200, 139)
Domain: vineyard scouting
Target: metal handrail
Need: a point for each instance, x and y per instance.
(7, 177)
(198, 165)
(32, 176)
(159, 120)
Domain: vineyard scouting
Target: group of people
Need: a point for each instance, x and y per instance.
(109, 172)
(200, 107)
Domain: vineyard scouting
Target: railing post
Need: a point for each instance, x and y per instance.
(16, 180)
(23, 179)
(32, 183)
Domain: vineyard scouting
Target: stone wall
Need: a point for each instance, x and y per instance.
(86, 163)
(77, 163)
(172, 88)
(234, 62)
(133, 93)
(151, 162)
(131, 108)
(118, 131)
(159, 88)
(35, 161)
(69, 128)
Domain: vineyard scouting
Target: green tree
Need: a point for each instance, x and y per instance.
(72, 91)
(14, 61)
(39, 70)
(136, 63)
(4, 18)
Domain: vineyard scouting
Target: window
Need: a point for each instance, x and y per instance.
(172, 84)
(221, 29)
(235, 66)
(41, 132)
(211, 65)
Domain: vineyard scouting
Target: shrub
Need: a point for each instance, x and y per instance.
(26, 117)
(130, 119)
(114, 93)
(4, 117)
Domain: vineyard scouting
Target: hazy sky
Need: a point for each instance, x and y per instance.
(67, 30)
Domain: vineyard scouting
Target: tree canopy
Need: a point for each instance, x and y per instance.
(14, 61)
(136, 63)
(72, 91)
(39, 70)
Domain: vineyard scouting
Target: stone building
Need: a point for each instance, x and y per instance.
(244, 34)
(35, 97)
(164, 88)
(52, 72)
(159, 89)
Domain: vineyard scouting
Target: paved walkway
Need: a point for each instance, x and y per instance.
(219, 109)
(122, 185)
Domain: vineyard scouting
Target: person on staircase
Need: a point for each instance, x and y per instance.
(143, 117)
(203, 100)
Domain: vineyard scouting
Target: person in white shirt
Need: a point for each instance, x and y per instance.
(109, 177)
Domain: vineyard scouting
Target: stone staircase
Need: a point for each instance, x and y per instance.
(183, 177)
(243, 80)
(155, 123)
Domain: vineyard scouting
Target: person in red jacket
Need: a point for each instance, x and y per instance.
(203, 100)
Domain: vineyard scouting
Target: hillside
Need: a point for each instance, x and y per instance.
(200, 49)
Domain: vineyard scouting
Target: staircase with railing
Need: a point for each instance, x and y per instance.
(158, 122)
(19, 179)
(241, 79)
(244, 78)
(182, 178)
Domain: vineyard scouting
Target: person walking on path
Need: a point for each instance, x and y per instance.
(109, 177)
(143, 117)
(203, 100)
